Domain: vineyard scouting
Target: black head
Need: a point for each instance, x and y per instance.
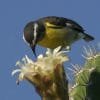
(32, 34)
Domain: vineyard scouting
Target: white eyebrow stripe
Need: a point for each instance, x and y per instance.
(35, 32)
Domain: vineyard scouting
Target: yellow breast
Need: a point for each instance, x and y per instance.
(56, 37)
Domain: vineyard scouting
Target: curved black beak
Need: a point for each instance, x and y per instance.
(33, 47)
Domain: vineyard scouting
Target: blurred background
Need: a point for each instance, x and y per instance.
(14, 14)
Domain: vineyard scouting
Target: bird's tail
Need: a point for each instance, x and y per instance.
(87, 37)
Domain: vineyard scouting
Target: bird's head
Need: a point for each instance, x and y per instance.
(33, 34)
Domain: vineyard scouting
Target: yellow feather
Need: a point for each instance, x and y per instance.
(56, 37)
(50, 25)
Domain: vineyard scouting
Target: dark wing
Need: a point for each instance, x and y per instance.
(59, 22)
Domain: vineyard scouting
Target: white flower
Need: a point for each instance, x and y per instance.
(90, 53)
(43, 66)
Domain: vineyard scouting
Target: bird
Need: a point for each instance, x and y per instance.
(52, 31)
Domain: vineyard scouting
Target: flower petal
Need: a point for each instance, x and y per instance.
(15, 71)
(56, 50)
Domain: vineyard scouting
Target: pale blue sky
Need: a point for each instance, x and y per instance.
(14, 14)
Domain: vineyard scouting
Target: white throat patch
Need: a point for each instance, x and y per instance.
(25, 40)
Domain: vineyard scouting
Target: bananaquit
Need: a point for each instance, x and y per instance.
(52, 31)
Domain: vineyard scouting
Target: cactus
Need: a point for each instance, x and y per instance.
(87, 80)
(47, 74)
